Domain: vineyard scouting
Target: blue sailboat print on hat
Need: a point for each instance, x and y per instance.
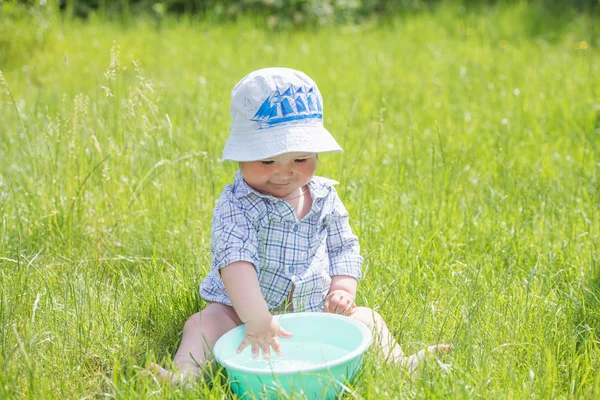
(295, 103)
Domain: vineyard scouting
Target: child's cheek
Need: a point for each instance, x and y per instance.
(264, 170)
(309, 168)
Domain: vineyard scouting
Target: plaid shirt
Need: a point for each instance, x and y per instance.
(251, 226)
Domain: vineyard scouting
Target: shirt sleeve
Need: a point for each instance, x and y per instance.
(342, 245)
(233, 237)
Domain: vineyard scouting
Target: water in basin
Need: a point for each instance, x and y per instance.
(296, 356)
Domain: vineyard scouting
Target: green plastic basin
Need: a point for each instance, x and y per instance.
(323, 356)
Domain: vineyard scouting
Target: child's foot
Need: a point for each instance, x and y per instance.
(166, 376)
(412, 362)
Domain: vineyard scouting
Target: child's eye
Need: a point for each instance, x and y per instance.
(301, 160)
(270, 162)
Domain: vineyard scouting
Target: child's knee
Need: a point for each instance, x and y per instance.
(368, 312)
(366, 315)
(200, 319)
(193, 322)
(214, 314)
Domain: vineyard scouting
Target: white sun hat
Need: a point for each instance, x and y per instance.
(276, 111)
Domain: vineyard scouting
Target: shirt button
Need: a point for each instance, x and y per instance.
(296, 228)
(291, 269)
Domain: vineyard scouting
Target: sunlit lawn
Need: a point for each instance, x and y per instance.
(470, 171)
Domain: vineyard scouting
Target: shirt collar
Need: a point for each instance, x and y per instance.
(318, 186)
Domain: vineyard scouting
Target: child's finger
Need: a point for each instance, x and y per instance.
(243, 345)
(336, 309)
(334, 303)
(255, 350)
(344, 306)
(341, 305)
(348, 308)
(332, 308)
(276, 346)
(284, 334)
(266, 349)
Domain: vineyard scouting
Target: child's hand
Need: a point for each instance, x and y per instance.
(262, 334)
(339, 302)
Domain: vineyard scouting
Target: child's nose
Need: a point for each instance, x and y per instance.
(284, 170)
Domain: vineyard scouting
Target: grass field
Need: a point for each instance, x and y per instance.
(471, 173)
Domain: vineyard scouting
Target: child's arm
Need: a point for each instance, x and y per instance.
(343, 248)
(345, 261)
(343, 282)
(243, 289)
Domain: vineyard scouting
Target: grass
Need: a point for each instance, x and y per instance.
(470, 171)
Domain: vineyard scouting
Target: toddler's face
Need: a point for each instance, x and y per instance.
(280, 176)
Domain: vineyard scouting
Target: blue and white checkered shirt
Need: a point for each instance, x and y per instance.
(251, 226)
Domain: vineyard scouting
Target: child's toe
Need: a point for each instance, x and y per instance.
(439, 348)
(157, 371)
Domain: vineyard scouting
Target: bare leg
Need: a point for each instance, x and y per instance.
(200, 333)
(392, 352)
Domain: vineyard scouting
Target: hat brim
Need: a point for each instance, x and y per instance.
(267, 143)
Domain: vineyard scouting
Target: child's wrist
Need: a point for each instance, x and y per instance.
(333, 290)
(263, 316)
